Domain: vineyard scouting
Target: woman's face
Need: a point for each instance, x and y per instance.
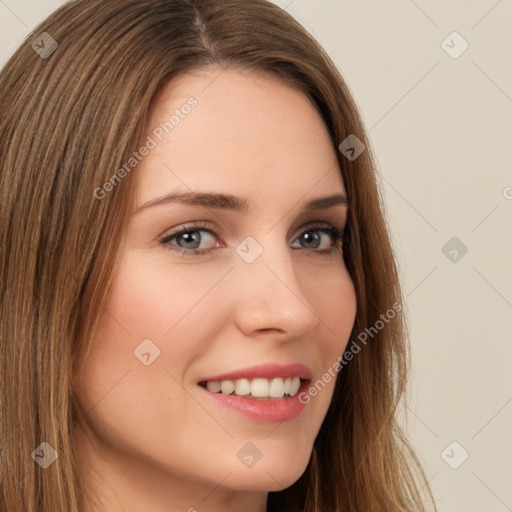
(266, 302)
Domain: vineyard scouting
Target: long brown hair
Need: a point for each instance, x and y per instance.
(69, 120)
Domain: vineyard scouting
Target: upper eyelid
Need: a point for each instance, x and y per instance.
(204, 226)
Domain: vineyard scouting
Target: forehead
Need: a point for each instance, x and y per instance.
(236, 131)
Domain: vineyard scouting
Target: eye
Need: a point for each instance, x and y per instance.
(187, 239)
(311, 238)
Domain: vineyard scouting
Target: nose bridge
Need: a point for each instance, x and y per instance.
(266, 261)
(270, 295)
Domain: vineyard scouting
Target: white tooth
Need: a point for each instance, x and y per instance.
(227, 387)
(276, 389)
(242, 387)
(295, 385)
(287, 384)
(259, 387)
(213, 386)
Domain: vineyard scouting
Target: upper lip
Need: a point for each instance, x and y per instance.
(265, 371)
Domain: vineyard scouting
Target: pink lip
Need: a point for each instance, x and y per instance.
(264, 411)
(265, 371)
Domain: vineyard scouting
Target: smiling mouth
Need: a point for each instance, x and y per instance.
(256, 389)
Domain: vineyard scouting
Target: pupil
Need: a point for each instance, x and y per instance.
(192, 237)
(316, 239)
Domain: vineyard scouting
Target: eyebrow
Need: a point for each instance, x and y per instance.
(235, 203)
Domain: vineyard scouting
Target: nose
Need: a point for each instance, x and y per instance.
(270, 296)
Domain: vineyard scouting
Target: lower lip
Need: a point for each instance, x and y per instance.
(264, 411)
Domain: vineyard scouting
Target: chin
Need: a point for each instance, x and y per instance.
(273, 472)
(261, 481)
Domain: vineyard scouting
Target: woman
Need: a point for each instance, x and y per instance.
(200, 305)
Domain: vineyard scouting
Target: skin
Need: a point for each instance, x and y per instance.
(150, 440)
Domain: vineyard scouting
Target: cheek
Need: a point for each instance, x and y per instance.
(335, 304)
(124, 399)
(152, 298)
(151, 309)
(173, 305)
(147, 311)
(170, 312)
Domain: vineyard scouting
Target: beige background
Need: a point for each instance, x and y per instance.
(441, 128)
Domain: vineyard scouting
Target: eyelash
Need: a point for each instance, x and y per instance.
(336, 235)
